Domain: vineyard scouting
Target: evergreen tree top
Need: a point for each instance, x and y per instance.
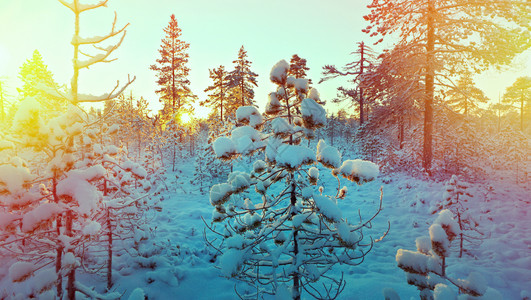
(34, 71)
(242, 79)
(521, 88)
(297, 67)
(172, 70)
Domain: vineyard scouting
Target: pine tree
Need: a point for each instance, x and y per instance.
(218, 100)
(519, 93)
(357, 69)
(172, 70)
(334, 128)
(283, 244)
(34, 74)
(441, 31)
(515, 150)
(465, 96)
(455, 198)
(208, 169)
(132, 116)
(298, 68)
(242, 80)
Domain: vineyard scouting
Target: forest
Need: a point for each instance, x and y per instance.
(408, 182)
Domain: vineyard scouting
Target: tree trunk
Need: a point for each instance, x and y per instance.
(443, 266)
(466, 110)
(242, 87)
(109, 250)
(522, 111)
(109, 242)
(59, 250)
(428, 105)
(173, 158)
(401, 134)
(332, 133)
(296, 276)
(76, 53)
(362, 48)
(221, 109)
(70, 286)
(293, 199)
(499, 112)
(173, 77)
(2, 113)
(517, 175)
(460, 233)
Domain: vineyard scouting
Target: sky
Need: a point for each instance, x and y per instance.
(323, 32)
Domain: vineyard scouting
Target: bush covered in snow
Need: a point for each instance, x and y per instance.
(426, 268)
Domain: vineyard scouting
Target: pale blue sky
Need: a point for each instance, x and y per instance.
(323, 32)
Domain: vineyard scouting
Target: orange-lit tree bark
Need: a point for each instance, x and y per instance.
(454, 35)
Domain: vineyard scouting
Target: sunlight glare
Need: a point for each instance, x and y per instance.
(186, 118)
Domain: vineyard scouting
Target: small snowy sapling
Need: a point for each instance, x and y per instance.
(277, 233)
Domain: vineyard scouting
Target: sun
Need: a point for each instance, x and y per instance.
(186, 118)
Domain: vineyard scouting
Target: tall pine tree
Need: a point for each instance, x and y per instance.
(356, 69)
(464, 96)
(242, 79)
(218, 100)
(172, 70)
(519, 93)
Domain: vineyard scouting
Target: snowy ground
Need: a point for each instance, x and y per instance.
(175, 263)
(184, 270)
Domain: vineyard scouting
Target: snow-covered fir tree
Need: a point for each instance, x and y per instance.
(279, 233)
(426, 268)
(456, 198)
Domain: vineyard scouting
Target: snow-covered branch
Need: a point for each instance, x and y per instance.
(77, 40)
(102, 57)
(77, 7)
